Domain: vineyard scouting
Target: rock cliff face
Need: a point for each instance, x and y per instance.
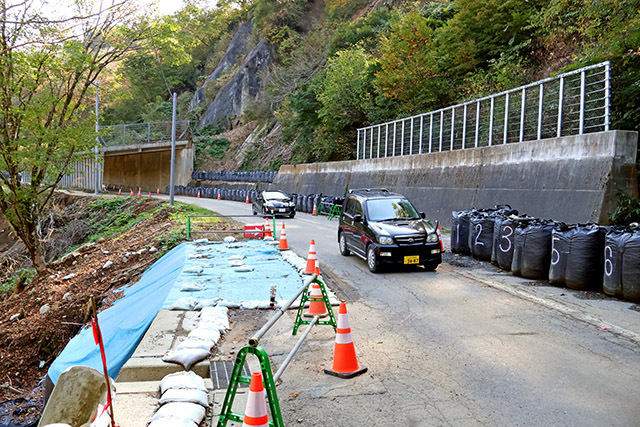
(237, 49)
(244, 86)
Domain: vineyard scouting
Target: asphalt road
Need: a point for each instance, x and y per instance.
(465, 345)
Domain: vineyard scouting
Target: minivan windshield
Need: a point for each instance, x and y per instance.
(389, 209)
(274, 195)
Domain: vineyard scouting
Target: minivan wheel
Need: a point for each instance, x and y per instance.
(342, 243)
(372, 260)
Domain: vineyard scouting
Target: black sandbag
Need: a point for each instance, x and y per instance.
(622, 263)
(460, 233)
(577, 256)
(504, 230)
(532, 250)
(481, 236)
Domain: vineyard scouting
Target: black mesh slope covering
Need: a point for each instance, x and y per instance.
(622, 263)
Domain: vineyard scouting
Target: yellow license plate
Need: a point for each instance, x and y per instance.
(413, 259)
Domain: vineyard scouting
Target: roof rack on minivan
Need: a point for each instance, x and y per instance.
(366, 190)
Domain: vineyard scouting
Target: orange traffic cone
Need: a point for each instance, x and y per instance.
(255, 413)
(139, 192)
(315, 209)
(267, 229)
(440, 237)
(149, 194)
(247, 200)
(283, 246)
(158, 191)
(345, 363)
(311, 259)
(317, 268)
(198, 194)
(316, 308)
(218, 195)
(131, 192)
(120, 192)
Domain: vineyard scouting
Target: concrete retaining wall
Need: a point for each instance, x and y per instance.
(147, 169)
(572, 179)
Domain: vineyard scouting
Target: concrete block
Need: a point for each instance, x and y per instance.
(154, 369)
(160, 335)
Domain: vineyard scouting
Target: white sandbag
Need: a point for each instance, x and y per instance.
(230, 304)
(192, 287)
(212, 335)
(182, 410)
(243, 269)
(190, 395)
(186, 357)
(236, 263)
(172, 422)
(217, 324)
(191, 343)
(229, 239)
(252, 305)
(185, 303)
(237, 257)
(198, 241)
(192, 269)
(182, 380)
(203, 303)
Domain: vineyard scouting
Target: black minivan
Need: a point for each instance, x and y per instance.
(385, 228)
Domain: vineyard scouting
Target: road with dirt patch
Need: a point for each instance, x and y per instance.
(465, 345)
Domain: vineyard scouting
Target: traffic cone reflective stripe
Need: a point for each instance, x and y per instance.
(255, 413)
(316, 308)
(267, 229)
(315, 209)
(311, 259)
(345, 363)
(283, 246)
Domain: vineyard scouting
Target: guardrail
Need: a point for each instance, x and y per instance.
(142, 133)
(572, 103)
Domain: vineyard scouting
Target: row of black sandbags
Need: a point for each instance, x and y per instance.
(303, 202)
(242, 176)
(580, 256)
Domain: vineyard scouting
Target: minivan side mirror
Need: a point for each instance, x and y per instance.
(423, 215)
(357, 218)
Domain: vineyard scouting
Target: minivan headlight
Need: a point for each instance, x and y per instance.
(432, 238)
(386, 240)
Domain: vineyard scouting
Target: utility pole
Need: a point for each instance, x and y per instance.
(96, 187)
(173, 151)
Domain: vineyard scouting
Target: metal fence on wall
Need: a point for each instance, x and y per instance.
(81, 175)
(572, 103)
(142, 133)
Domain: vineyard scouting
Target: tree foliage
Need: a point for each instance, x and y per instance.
(47, 70)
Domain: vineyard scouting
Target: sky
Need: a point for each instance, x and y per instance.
(52, 8)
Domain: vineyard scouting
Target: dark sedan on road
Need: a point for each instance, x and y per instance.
(273, 203)
(385, 228)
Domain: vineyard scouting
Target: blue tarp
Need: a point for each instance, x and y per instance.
(211, 267)
(124, 324)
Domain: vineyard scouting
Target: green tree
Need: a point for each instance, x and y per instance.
(346, 96)
(46, 74)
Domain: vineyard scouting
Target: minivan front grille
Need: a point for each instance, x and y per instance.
(411, 239)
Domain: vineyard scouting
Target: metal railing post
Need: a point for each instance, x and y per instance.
(441, 128)
(371, 149)
(402, 140)
(506, 117)
(477, 122)
(560, 102)
(386, 140)
(607, 83)
(524, 98)
(379, 131)
(394, 138)
(464, 126)
(124, 136)
(411, 138)
(582, 99)
(358, 146)
(421, 127)
(540, 101)
(453, 124)
(491, 122)
(148, 132)
(430, 132)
